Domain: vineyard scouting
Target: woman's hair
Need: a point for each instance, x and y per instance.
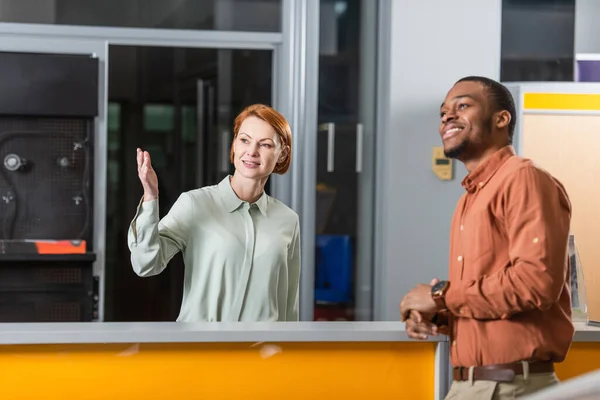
(277, 122)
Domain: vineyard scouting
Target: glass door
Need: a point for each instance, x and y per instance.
(179, 104)
(345, 160)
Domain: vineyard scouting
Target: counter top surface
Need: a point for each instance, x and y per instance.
(173, 332)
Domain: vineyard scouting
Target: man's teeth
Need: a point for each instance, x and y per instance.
(453, 130)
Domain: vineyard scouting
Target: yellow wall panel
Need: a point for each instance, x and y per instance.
(218, 371)
(583, 357)
(561, 101)
(567, 146)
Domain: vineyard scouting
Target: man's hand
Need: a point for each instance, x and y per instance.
(419, 326)
(418, 299)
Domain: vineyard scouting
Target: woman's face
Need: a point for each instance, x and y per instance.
(257, 149)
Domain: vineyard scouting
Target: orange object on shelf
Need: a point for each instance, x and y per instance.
(60, 246)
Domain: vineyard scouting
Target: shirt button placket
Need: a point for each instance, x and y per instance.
(247, 267)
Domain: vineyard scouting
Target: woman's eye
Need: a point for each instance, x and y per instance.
(268, 146)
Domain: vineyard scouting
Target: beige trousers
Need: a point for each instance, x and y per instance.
(488, 390)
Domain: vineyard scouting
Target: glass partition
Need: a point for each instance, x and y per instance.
(178, 104)
(233, 15)
(345, 161)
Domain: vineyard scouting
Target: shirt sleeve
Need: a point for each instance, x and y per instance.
(153, 243)
(443, 320)
(293, 276)
(537, 215)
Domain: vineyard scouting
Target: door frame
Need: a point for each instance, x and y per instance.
(95, 41)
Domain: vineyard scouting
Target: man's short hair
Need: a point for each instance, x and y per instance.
(501, 97)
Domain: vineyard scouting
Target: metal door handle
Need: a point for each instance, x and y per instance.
(330, 128)
(359, 146)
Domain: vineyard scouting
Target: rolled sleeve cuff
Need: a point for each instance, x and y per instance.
(146, 214)
(147, 211)
(456, 300)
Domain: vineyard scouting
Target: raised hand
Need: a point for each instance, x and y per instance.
(147, 175)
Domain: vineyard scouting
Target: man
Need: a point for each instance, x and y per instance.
(506, 306)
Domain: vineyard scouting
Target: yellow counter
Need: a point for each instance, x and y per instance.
(218, 371)
(259, 361)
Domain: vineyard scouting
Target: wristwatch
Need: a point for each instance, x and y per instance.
(438, 294)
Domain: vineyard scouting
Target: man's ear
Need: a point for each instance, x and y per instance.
(503, 119)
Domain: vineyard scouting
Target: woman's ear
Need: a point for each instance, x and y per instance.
(284, 153)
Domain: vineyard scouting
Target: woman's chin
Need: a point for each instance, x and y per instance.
(252, 173)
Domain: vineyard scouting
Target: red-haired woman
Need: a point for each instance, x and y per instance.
(241, 247)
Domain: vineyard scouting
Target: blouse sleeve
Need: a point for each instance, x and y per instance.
(152, 242)
(293, 275)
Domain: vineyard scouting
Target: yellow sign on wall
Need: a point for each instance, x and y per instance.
(442, 165)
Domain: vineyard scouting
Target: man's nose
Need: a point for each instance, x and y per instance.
(448, 117)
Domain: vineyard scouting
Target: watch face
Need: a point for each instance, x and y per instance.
(438, 286)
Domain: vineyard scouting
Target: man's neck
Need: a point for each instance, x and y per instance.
(473, 162)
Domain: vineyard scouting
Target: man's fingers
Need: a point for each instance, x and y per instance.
(404, 312)
(416, 316)
(424, 329)
(417, 331)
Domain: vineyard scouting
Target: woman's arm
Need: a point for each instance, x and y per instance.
(293, 275)
(152, 242)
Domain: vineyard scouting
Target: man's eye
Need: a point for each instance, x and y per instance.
(442, 114)
(462, 106)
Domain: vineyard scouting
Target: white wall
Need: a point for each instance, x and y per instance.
(587, 26)
(433, 44)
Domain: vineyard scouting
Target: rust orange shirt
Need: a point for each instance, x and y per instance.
(509, 294)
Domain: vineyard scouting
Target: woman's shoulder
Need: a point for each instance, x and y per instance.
(281, 209)
(202, 195)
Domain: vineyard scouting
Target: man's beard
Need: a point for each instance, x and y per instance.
(457, 150)
(463, 146)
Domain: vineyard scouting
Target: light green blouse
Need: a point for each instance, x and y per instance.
(242, 261)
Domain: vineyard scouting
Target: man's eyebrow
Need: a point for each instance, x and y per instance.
(462, 96)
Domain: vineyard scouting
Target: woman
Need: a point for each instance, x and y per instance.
(241, 247)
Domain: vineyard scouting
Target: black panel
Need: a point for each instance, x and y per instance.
(32, 291)
(538, 40)
(49, 196)
(48, 85)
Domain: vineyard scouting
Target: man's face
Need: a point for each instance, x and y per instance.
(466, 120)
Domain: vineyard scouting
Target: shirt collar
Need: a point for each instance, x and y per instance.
(232, 202)
(481, 175)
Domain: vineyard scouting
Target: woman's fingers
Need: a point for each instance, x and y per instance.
(140, 158)
(147, 162)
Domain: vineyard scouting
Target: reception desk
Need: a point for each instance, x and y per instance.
(350, 360)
